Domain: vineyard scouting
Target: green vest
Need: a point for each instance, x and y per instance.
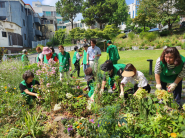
(64, 61)
(28, 97)
(45, 59)
(113, 53)
(74, 57)
(24, 59)
(85, 57)
(116, 67)
(169, 76)
(91, 91)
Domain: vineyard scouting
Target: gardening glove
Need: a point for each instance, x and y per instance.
(121, 94)
(69, 68)
(158, 86)
(37, 95)
(172, 87)
(101, 91)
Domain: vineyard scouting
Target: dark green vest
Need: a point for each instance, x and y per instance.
(74, 57)
(64, 61)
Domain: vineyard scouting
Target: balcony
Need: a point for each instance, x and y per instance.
(38, 33)
(37, 20)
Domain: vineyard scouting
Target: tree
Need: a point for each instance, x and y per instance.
(129, 24)
(68, 9)
(103, 12)
(77, 33)
(110, 31)
(60, 35)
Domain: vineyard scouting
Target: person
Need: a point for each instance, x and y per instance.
(53, 51)
(64, 61)
(112, 52)
(24, 57)
(93, 54)
(113, 70)
(26, 86)
(85, 42)
(40, 56)
(84, 61)
(137, 78)
(76, 62)
(170, 68)
(48, 55)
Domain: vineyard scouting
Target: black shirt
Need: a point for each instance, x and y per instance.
(22, 87)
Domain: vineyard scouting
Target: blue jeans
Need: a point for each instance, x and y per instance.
(85, 66)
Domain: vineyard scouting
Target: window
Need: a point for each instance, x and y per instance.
(4, 34)
(2, 17)
(23, 22)
(2, 4)
(21, 7)
(33, 25)
(51, 21)
(58, 15)
(10, 40)
(24, 36)
(58, 20)
(47, 13)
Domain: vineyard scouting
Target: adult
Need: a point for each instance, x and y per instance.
(48, 55)
(64, 63)
(93, 54)
(76, 61)
(112, 52)
(24, 57)
(84, 61)
(53, 52)
(26, 86)
(113, 70)
(170, 68)
(136, 77)
(40, 56)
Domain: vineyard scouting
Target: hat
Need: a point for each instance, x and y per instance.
(24, 50)
(107, 66)
(46, 50)
(109, 41)
(128, 73)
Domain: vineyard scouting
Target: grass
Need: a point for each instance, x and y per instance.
(137, 58)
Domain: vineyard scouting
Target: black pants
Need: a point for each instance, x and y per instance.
(176, 93)
(133, 90)
(77, 68)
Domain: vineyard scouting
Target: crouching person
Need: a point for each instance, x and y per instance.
(113, 70)
(137, 78)
(26, 87)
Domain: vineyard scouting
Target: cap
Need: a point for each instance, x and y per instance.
(109, 41)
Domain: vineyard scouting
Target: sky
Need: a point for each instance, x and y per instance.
(52, 3)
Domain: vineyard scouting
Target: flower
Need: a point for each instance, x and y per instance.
(78, 127)
(80, 96)
(91, 120)
(5, 87)
(6, 92)
(68, 95)
(174, 135)
(23, 105)
(14, 88)
(80, 123)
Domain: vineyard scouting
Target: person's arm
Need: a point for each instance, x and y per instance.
(70, 64)
(99, 53)
(157, 72)
(29, 93)
(87, 59)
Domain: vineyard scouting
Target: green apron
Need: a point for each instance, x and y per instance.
(85, 57)
(64, 61)
(29, 98)
(169, 76)
(74, 57)
(91, 91)
(116, 67)
(45, 59)
(113, 53)
(24, 59)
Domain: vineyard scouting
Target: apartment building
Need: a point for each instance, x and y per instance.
(17, 13)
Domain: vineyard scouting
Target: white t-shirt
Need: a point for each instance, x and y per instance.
(41, 56)
(138, 78)
(78, 56)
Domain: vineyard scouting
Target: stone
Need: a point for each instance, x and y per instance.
(58, 118)
(122, 49)
(164, 47)
(150, 48)
(135, 48)
(183, 40)
(178, 47)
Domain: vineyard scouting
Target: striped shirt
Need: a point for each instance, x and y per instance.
(158, 68)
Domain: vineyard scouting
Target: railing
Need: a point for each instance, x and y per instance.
(42, 42)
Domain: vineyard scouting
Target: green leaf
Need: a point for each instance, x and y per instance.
(180, 118)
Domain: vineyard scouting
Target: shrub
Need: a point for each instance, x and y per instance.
(179, 44)
(183, 46)
(151, 36)
(54, 41)
(48, 43)
(184, 36)
(131, 35)
(146, 47)
(143, 43)
(164, 33)
(158, 46)
(122, 35)
(130, 47)
(140, 47)
(142, 35)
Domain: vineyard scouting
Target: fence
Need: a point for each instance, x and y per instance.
(42, 42)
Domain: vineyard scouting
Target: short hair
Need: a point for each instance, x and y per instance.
(27, 74)
(130, 67)
(38, 49)
(175, 52)
(24, 51)
(61, 46)
(94, 41)
(85, 45)
(52, 49)
(75, 48)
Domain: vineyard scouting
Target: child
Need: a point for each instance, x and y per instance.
(84, 62)
(76, 61)
(24, 57)
(137, 78)
(26, 86)
(64, 62)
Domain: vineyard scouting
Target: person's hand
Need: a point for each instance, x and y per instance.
(38, 96)
(158, 86)
(121, 94)
(69, 68)
(82, 63)
(101, 91)
(87, 63)
(172, 87)
(85, 89)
